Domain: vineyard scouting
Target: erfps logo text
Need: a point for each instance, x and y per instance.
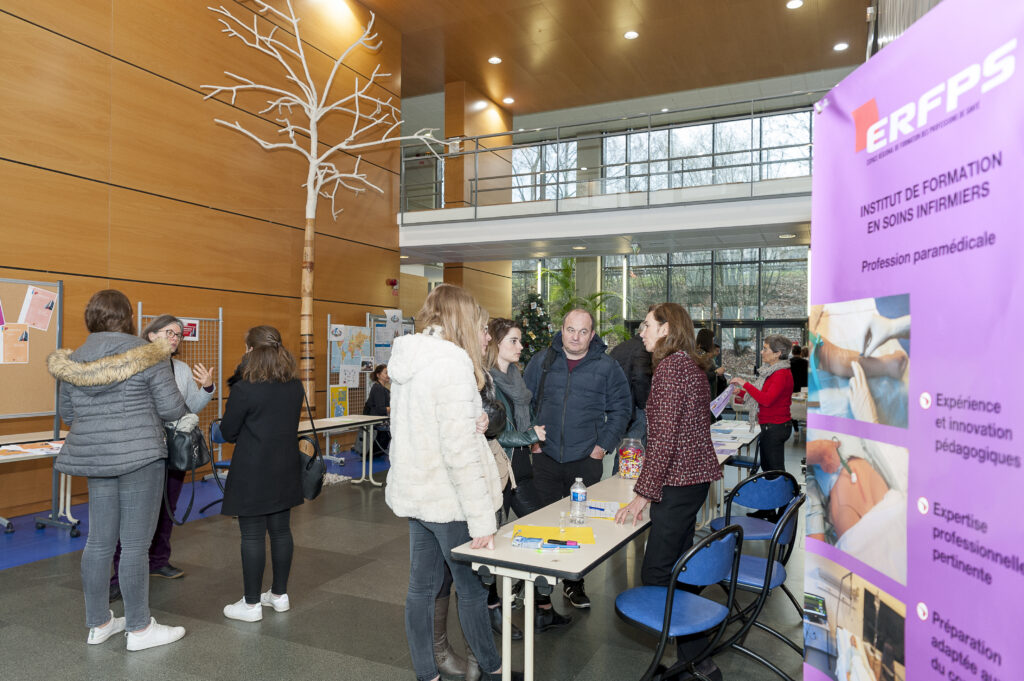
(873, 132)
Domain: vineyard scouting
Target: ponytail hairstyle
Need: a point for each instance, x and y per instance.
(456, 312)
(268, 361)
(705, 346)
(680, 332)
(498, 328)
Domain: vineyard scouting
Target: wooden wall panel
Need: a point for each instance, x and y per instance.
(489, 284)
(162, 138)
(55, 111)
(353, 273)
(179, 213)
(156, 239)
(368, 217)
(87, 21)
(52, 221)
(413, 290)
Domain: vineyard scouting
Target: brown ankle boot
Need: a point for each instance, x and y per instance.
(473, 671)
(449, 665)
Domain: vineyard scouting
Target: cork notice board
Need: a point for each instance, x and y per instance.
(30, 331)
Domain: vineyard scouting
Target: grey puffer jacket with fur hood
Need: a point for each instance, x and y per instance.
(116, 392)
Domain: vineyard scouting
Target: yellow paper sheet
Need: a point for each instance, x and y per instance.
(580, 535)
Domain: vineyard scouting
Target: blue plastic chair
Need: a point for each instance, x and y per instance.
(669, 612)
(763, 575)
(769, 491)
(748, 463)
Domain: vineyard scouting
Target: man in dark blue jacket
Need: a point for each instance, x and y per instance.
(582, 399)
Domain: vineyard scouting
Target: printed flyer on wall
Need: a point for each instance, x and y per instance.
(915, 559)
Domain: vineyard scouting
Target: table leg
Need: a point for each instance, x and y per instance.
(367, 455)
(506, 629)
(529, 612)
(66, 501)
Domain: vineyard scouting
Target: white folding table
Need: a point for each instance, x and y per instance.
(335, 425)
(529, 565)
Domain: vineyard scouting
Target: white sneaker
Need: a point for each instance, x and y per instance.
(154, 635)
(243, 611)
(278, 603)
(101, 634)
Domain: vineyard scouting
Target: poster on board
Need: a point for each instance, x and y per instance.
(37, 308)
(14, 344)
(190, 330)
(915, 555)
(338, 405)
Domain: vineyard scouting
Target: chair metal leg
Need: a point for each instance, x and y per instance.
(792, 599)
(212, 503)
(784, 639)
(751, 654)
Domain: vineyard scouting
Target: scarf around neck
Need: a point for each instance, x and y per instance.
(513, 386)
(759, 384)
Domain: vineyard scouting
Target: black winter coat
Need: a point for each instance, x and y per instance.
(589, 406)
(262, 419)
(635, 361)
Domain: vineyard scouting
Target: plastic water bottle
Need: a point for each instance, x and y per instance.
(578, 503)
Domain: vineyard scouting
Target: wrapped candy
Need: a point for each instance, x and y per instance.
(631, 458)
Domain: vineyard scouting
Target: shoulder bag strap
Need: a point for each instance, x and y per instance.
(309, 413)
(549, 359)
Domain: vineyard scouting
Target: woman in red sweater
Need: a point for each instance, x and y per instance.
(680, 462)
(769, 401)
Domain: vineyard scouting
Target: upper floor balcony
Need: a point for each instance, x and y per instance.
(679, 171)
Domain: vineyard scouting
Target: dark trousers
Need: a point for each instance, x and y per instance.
(552, 480)
(524, 498)
(160, 547)
(254, 529)
(673, 520)
(773, 445)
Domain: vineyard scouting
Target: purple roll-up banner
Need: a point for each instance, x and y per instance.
(915, 539)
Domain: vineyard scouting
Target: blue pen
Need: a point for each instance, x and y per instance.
(595, 508)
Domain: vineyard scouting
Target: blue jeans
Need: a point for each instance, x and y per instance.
(125, 508)
(430, 548)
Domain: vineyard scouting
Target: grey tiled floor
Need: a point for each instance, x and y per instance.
(347, 591)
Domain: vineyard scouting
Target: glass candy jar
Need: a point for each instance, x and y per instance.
(631, 458)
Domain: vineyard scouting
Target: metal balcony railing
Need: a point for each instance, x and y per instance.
(570, 165)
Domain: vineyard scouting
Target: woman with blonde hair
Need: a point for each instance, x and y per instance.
(262, 419)
(443, 477)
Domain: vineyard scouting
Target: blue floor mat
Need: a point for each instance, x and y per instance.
(27, 544)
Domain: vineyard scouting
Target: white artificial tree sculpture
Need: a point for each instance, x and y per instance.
(374, 122)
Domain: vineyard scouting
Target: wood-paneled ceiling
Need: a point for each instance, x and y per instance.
(565, 53)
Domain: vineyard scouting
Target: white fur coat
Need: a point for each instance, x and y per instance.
(441, 469)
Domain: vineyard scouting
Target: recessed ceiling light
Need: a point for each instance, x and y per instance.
(521, 129)
(508, 100)
(787, 236)
(664, 110)
(794, 4)
(579, 248)
(495, 60)
(584, 168)
(630, 35)
(404, 257)
(839, 47)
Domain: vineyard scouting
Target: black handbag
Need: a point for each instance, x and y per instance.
(186, 451)
(312, 469)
